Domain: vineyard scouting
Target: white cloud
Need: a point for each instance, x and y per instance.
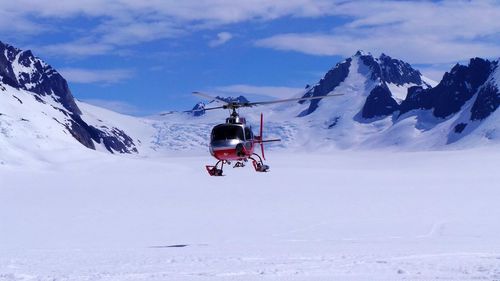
(106, 76)
(222, 38)
(313, 44)
(222, 11)
(76, 48)
(269, 91)
(123, 32)
(119, 23)
(419, 32)
(12, 22)
(412, 48)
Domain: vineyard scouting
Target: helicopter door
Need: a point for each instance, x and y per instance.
(248, 138)
(248, 134)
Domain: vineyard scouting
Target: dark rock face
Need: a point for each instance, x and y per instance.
(398, 72)
(22, 70)
(6, 72)
(379, 103)
(80, 131)
(457, 87)
(417, 98)
(459, 128)
(372, 64)
(487, 101)
(332, 79)
(389, 70)
(115, 141)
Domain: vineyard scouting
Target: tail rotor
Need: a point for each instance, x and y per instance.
(261, 137)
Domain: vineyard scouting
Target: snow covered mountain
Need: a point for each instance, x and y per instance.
(37, 109)
(388, 103)
(465, 101)
(386, 82)
(385, 102)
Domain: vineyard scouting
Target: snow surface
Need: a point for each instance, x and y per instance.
(399, 92)
(330, 215)
(31, 130)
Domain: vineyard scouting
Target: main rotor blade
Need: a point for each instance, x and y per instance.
(210, 97)
(190, 111)
(167, 113)
(203, 109)
(289, 100)
(211, 108)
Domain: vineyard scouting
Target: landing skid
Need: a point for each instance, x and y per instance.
(258, 165)
(213, 170)
(239, 164)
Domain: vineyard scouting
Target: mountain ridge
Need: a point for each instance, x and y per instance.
(385, 103)
(23, 71)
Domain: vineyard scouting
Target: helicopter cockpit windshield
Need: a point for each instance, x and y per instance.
(227, 132)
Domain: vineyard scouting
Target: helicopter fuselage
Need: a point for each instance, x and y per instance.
(232, 141)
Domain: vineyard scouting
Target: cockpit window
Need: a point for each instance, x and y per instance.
(248, 133)
(226, 132)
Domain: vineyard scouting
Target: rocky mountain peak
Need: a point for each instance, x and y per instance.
(457, 87)
(22, 70)
(380, 72)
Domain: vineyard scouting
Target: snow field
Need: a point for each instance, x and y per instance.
(338, 215)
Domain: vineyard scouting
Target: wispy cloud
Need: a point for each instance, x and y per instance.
(14, 22)
(76, 48)
(410, 47)
(222, 38)
(114, 105)
(419, 32)
(103, 76)
(125, 32)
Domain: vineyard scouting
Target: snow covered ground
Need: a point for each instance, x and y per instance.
(336, 215)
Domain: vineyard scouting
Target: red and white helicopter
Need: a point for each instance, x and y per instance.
(234, 140)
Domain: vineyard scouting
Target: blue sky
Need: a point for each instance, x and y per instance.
(143, 57)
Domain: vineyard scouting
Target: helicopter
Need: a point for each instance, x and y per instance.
(234, 140)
